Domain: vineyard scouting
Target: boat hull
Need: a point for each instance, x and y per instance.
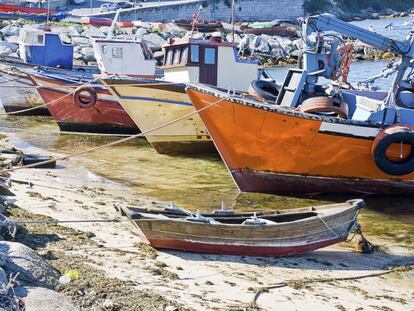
(105, 117)
(272, 149)
(151, 104)
(21, 94)
(324, 227)
(240, 250)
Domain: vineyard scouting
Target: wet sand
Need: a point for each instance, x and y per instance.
(75, 191)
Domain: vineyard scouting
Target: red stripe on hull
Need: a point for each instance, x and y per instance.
(104, 112)
(269, 182)
(240, 250)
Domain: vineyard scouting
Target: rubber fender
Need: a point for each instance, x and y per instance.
(85, 101)
(387, 137)
(264, 89)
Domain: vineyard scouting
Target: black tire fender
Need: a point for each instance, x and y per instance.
(264, 89)
(387, 137)
(85, 101)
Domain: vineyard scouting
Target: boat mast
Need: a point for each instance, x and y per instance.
(112, 28)
(195, 19)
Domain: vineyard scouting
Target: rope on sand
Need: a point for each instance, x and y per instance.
(117, 142)
(301, 283)
(56, 222)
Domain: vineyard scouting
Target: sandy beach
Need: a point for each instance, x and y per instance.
(137, 277)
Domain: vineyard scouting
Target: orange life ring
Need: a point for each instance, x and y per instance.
(322, 104)
(85, 97)
(396, 134)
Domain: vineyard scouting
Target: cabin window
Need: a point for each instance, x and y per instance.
(169, 57)
(195, 53)
(40, 39)
(209, 56)
(184, 53)
(117, 52)
(177, 56)
(104, 48)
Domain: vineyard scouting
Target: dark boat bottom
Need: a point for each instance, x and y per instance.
(185, 147)
(274, 183)
(42, 111)
(97, 128)
(241, 250)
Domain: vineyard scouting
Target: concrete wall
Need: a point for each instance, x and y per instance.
(246, 10)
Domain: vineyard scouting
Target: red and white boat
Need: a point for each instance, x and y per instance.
(79, 108)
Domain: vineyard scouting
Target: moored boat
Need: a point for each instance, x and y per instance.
(307, 141)
(79, 103)
(201, 25)
(78, 107)
(282, 28)
(155, 103)
(281, 233)
(37, 47)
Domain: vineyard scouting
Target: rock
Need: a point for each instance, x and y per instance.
(88, 54)
(77, 55)
(39, 299)
(3, 279)
(261, 45)
(375, 16)
(389, 11)
(92, 32)
(79, 62)
(65, 38)
(139, 34)
(80, 41)
(2, 209)
(4, 49)
(10, 30)
(13, 39)
(154, 41)
(104, 29)
(8, 228)
(33, 270)
(12, 46)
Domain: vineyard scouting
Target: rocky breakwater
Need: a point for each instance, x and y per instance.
(282, 51)
(79, 35)
(270, 50)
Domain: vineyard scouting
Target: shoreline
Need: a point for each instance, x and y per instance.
(183, 280)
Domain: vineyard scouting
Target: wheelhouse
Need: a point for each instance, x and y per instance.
(124, 57)
(45, 48)
(213, 62)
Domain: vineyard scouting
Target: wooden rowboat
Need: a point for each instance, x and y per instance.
(280, 233)
(200, 26)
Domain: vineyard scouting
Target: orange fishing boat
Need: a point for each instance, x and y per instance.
(316, 139)
(274, 149)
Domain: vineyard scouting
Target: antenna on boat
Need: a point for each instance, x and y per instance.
(48, 12)
(196, 15)
(223, 208)
(232, 18)
(112, 28)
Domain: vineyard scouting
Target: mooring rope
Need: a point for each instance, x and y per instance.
(327, 280)
(62, 158)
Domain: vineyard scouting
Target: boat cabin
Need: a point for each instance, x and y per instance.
(124, 57)
(213, 62)
(44, 48)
